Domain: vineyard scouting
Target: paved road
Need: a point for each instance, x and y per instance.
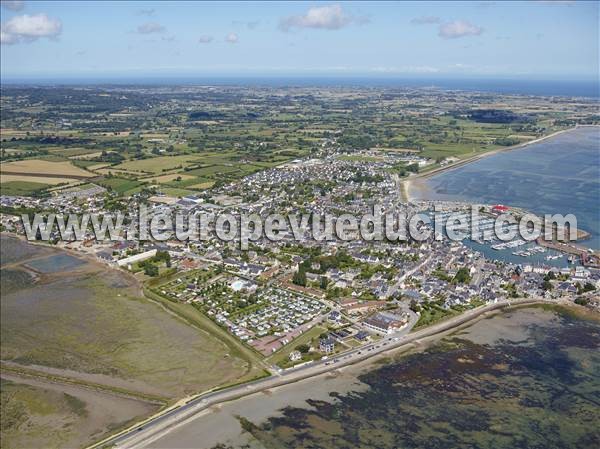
(161, 424)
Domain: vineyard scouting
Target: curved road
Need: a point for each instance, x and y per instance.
(163, 423)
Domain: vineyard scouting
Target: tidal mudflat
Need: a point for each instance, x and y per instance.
(38, 413)
(521, 378)
(64, 316)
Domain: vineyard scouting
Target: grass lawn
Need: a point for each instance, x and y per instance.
(281, 357)
(431, 312)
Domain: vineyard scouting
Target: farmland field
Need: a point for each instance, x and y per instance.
(44, 167)
(73, 152)
(159, 164)
(212, 170)
(202, 185)
(177, 192)
(47, 180)
(120, 185)
(20, 188)
(85, 156)
(168, 178)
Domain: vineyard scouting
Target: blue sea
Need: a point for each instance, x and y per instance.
(542, 87)
(560, 175)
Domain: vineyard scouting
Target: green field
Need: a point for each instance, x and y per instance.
(212, 170)
(120, 185)
(22, 188)
(157, 165)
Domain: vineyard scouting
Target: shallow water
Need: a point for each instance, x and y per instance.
(525, 378)
(12, 280)
(15, 250)
(56, 263)
(560, 175)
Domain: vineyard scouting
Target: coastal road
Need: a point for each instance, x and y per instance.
(166, 421)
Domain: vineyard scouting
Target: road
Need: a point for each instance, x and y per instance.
(409, 273)
(159, 425)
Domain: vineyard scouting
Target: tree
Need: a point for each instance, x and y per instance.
(547, 285)
(300, 277)
(323, 283)
(462, 276)
(303, 348)
(150, 270)
(587, 287)
(414, 306)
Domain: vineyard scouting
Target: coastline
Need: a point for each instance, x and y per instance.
(408, 184)
(258, 405)
(167, 421)
(419, 341)
(88, 258)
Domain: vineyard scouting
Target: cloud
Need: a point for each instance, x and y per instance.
(426, 20)
(458, 28)
(330, 17)
(150, 28)
(232, 38)
(13, 5)
(205, 39)
(8, 39)
(168, 38)
(28, 28)
(144, 12)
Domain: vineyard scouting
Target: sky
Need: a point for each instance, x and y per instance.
(532, 40)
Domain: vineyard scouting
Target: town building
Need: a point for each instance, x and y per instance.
(327, 345)
(386, 323)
